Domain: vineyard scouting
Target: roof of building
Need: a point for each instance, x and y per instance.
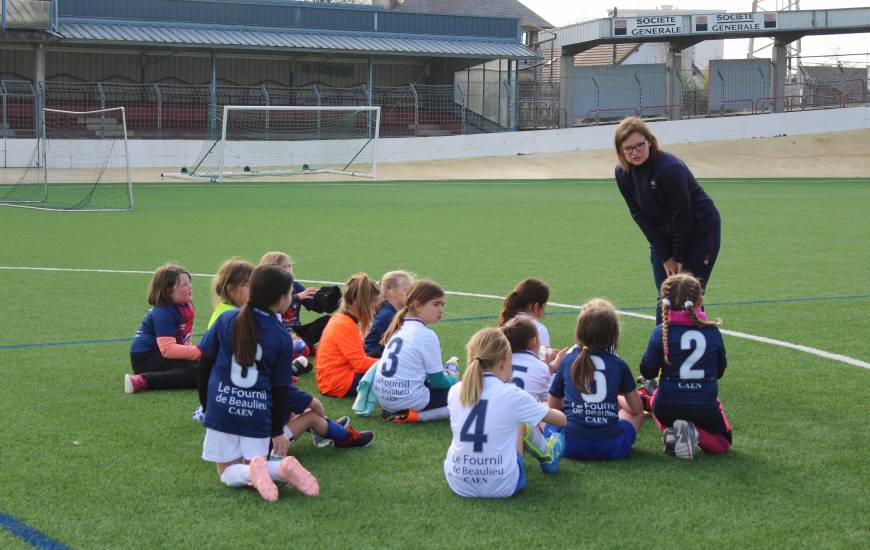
(485, 8)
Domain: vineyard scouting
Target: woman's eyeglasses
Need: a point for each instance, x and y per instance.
(628, 149)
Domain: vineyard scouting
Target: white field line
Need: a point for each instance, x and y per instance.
(762, 339)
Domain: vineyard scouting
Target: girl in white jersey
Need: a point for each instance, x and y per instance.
(529, 299)
(410, 381)
(487, 418)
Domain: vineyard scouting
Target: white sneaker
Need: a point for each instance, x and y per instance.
(322, 442)
(669, 440)
(686, 444)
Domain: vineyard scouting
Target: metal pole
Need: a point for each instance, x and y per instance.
(416, 110)
(159, 108)
(498, 115)
(212, 102)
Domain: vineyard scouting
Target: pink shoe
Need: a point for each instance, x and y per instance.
(297, 476)
(135, 383)
(258, 471)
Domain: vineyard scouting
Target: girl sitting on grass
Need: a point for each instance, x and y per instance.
(488, 418)
(393, 287)
(231, 286)
(411, 382)
(529, 299)
(161, 353)
(595, 388)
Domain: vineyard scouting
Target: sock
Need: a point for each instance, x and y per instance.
(288, 433)
(236, 476)
(434, 414)
(335, 431)
(273, 470)
(535, 444)
(713, 444)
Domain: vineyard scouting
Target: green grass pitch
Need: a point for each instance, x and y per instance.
(91, 467)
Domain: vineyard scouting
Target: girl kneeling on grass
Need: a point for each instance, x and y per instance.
(162, 355)
(595, 388)
(488, 418)
(341, 360)
(689, 351)
(411, 382)
(245, 395)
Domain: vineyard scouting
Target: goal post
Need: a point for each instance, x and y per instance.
(258, 141)
(79, 163)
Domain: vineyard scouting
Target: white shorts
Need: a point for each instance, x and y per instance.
(222, 447)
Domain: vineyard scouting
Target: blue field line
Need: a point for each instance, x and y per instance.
(28, 534)
(479, 318)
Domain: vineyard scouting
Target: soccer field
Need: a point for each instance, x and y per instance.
(90, 467)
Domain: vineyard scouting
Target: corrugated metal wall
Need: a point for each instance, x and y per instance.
(735, 84)
(616, 91)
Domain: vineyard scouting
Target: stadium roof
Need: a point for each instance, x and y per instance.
(487, 8)
(293, 26)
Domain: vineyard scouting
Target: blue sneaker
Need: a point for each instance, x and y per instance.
(198, 415)
(556, 446)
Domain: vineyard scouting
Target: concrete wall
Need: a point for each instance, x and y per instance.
(172, 154)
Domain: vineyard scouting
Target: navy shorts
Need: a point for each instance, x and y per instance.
(613, 448)
(298, 400)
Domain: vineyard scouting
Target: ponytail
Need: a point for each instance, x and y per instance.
(486, 350)
(395, 324)
(666, 322)
(269, 283)
(526, 294)
(681, 292)
(597, 332)
(583, 371)
(358, 300)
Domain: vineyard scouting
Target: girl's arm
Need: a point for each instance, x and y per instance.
(203, 372)
(555, 417)
(554, 402)
(440, 380)
(557, 361)
(171, 349)
(632, 399)
(350, 345)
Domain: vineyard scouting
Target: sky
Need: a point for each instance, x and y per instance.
(566, 12)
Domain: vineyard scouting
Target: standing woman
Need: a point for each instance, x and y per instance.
(677, 217)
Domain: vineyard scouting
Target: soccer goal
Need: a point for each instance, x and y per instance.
(258, 141)
(79, 164)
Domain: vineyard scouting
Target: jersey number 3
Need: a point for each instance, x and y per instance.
(391, 360)
(472, 430)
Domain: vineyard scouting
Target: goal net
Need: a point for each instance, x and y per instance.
(257, 141)
(80, 163)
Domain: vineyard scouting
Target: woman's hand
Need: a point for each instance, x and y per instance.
(672, 267)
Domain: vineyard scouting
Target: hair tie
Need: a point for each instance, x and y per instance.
(585, 348)
(666, 302)
(688, 304)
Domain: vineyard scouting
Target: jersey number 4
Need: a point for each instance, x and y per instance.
(472, 430)
(391, 360)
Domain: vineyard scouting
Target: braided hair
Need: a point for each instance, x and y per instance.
(682, 292)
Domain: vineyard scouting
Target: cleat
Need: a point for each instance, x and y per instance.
(669, 441)
(686, 440)
(645, 392)
(258, 471)
(135, 383)
(355, 439)
(405, 416)
(198, 415)
(297, 476)
(555, 446)
(322, 442)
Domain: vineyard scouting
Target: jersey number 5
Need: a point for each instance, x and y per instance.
(475, 421)
(391, 360)
(686, 370)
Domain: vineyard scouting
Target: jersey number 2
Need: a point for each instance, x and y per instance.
(475, 421)
(686, 370)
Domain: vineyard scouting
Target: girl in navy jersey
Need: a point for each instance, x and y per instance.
(688, 351)
(245, 390)
(488, 418)
(393, 285)
(162, 354)
(595, 388)
(411, 381)
(529, 299)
